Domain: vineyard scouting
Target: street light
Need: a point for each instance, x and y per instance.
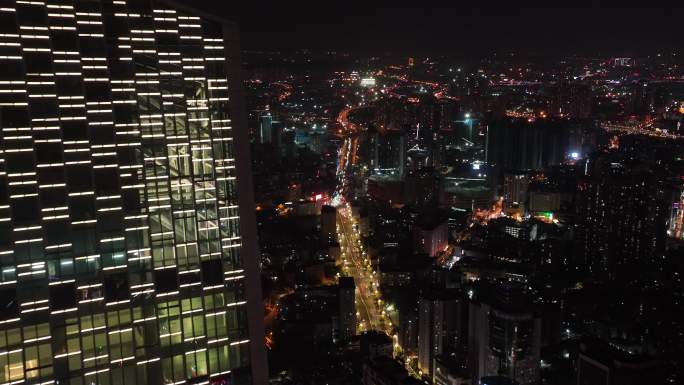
(468, 120)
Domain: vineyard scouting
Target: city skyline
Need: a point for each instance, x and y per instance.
(341, 193)
(506, 218)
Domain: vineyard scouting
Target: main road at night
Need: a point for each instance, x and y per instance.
(348, 152)
(355, 262)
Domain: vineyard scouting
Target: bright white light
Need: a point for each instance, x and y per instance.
(574, 155)
(368, 82)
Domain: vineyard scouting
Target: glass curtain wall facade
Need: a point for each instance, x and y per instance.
(119, 228)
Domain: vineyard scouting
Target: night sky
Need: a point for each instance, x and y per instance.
(457, 27)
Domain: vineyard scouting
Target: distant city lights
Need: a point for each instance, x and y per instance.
(368, 82)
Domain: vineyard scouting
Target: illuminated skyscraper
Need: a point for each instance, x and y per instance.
(127, 237)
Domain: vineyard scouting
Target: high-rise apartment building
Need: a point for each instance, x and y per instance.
(623, 212)
(328, 224)
(127, 241)
(515, 185)
(441, 326)
(347, 308)
(504, 336)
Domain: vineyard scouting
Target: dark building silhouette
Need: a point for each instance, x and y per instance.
(347, 303)
(600, 364)
(522, 145)
(328, 224)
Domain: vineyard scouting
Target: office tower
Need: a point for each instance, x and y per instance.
(128, 244)
(440, 325)
(347, 304)
(504, 336)
(624, 212)
(265, 128)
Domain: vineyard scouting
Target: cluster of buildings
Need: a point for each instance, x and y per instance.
(516, 221)
(520, 219)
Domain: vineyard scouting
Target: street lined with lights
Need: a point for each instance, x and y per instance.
(356, 263)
